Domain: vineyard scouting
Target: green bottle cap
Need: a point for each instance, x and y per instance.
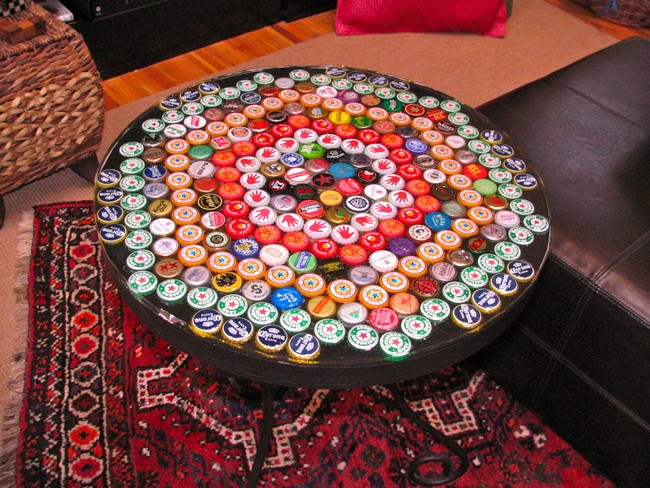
(202, 297)
(395, 345)
(295, 320)
(363, 337)
(142, 283)
(172, 291)
(329, 331)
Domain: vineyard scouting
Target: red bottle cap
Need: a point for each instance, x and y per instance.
(427, 203)
(418, 188)
(373, 241)
(400, 156)
(228, 174)
(231, 191)
(243, 148)
(310, 209)
(205, 185)
(281, 130)
(414, 110)
(353, 254)
(263, 139)
(258, 125)
(236, 209)
(436, 115)
(239, 228)
(410, 216)
(322, 126)
(267, 234)
(409, 172)
(345, 131)
(391, 228)
(349, 187)
(224, 158)
(299, 121)
(392, 141)
(475, 171)
(369, 136)
(324, 248)
(296, 241)
(383, 319)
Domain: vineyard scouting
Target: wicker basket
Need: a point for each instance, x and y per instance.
(51, 103)
(632, 13)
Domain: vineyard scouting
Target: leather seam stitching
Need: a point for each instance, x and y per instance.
(560, 359)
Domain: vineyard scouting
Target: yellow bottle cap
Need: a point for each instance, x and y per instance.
(227, 282)
(481, 215)
(160, 208)
(321, 307)
(331, 198)
(339, 117)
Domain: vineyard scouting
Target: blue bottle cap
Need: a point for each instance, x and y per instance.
(303, 347)
(112, 233)
(154, 174)
(401, 246)
(466, 316)
(245, 248)
(271, 338)
(207, 321)
(292, 160)
(437, 221)
(251, 98)
(108, 196)
(237, 330)
(416, 146)
(342, 170)
(287, 298)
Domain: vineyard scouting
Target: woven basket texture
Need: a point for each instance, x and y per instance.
(632, 13)
(51, 103)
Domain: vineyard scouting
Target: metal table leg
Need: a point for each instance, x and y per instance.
(449, 472)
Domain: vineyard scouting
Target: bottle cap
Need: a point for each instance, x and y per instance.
(262, 313)
(435, 309)
(344, 234)
(171, 291)
(295, 320)
(221, 262)
(401, 246)
(443, 271)
(237, 330)
(256, 291)
(395, 345)
(227, 283)
(202, 297)
(487, 301)
(311, 285)
(394, 282)
(165, 247)
(232, 305)
(474, 277)
(196, 276)
(321, 307)
(206, 323)
(383, 261)
(383, 319)
(404, 304)
(460, 257)
(324, 248)
(430, 252)
(274, 254)
(216, 241)
(363, 337)
(521, 270)
(317, 229)
(425, 287)
(456, 292)
(280, 276)
(142, 283)
(302, 262)
(303, 347)
(373, 296)
(289, 222)
(136, 239)
(267, 234)
(373, 241)
(352, 313)
(364, 222)
(329, 331)
(504, 284)
(342, 291)
(391, 228)
(466, 316)
(491, 263)
(353, 254)
(416, 327)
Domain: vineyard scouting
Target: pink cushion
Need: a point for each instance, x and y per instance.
(484, 17)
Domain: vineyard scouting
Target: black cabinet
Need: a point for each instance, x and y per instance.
(124, 35)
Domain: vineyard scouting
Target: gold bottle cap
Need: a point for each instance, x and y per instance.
(331, 198)
(321, 307)
(168, 268)
(160, 208)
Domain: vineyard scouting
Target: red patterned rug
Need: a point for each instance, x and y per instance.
(102, 402)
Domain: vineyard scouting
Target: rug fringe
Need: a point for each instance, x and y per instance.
(10, 422)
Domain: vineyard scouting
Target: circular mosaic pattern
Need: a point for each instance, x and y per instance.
(297, 191)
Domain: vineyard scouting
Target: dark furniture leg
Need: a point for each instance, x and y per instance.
(449, 473)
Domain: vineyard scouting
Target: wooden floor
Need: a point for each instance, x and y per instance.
(202, 62)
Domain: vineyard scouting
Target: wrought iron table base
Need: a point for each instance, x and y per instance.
(268, 394)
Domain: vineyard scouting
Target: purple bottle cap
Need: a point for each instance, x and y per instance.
(401, 246)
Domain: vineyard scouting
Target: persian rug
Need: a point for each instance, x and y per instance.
(99, 401)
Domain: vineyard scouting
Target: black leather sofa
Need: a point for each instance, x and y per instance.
(579, 355)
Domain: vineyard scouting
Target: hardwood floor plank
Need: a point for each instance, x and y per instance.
(221, 55)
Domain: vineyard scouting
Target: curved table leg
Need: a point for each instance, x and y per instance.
(266, 429)
(449, 473)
